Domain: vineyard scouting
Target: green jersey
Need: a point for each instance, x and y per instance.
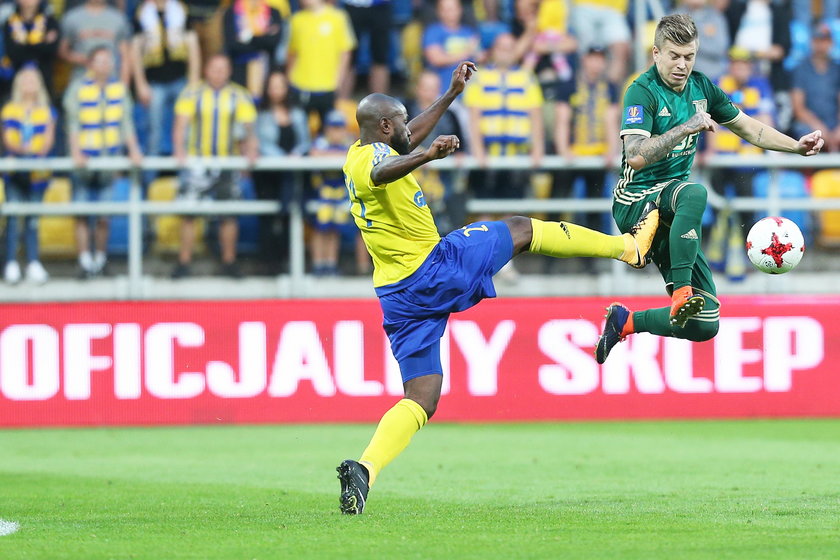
(651, 108)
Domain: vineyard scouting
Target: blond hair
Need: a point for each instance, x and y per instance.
(17, 96)
(677, 28)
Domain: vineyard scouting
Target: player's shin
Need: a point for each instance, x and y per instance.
(564, 239)
(393, 434)
(686, 228)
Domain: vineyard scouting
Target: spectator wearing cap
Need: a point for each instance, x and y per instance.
(333, 208)
(816, 87)
(586, 124)
(750, 92)
(713, 35)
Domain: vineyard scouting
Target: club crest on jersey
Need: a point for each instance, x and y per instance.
(419, 199)
(634, 114)
(700, 105)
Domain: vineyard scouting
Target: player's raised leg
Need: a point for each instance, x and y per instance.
(564, 239)
(695, 304)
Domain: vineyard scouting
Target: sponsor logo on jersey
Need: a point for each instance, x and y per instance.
(664, 112)
(690, 234)
(634, 114)
(419, 199)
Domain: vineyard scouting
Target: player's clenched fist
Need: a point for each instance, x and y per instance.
(442, 146)
(700, 121)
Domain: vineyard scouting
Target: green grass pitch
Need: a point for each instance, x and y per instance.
(647, 490)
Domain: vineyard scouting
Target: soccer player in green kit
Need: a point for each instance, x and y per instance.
(665, 110)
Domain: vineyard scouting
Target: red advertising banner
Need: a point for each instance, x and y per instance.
(320, 361)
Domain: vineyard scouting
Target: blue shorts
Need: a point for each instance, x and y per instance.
(456, 275)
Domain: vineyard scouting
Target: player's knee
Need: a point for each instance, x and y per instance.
(520, 232)
(429, 403)
(425, 391)
(693, 193)
(700, 331)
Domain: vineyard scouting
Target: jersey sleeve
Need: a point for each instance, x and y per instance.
(721, 108)
(364, 160)
(294, 34)
(347, 38)
(639, 110)
(185, 105)
(433, 36)
(245, 111)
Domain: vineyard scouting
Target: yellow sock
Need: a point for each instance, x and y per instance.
(392, 435)
(563, 239)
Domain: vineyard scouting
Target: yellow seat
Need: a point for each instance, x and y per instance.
(825, 183)
(167, 228)
(56, 234)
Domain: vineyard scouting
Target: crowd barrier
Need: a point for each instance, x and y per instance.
(135, 208)
(141, 363)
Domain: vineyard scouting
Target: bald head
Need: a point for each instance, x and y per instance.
(382, 118)
(374, 107)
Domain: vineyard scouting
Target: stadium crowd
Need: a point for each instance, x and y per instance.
(281, 78)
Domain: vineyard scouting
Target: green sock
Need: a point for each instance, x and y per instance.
(684, 239)
(655, 321)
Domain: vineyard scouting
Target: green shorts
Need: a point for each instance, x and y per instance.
(628, 214)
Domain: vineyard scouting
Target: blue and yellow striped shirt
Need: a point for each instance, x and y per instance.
(505, 99)
(25, 134)
(215, 118)
(25, 129)
(99, 116)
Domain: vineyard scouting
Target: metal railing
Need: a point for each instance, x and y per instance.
(135, 208)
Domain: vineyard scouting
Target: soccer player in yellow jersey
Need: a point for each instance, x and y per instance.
(420, 278)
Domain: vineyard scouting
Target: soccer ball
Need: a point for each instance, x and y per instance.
(775, 245)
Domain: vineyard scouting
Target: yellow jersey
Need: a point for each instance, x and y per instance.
(396, 223)
(317, 39)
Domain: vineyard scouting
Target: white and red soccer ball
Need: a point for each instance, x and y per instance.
(775, 245)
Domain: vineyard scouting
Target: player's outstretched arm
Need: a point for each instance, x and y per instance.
(765, 136)
(641, 151)
(395, 167)
(421, 125)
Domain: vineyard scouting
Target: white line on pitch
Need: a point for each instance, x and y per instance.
(8, 527)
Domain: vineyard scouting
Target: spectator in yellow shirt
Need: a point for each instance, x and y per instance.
(321, 41)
